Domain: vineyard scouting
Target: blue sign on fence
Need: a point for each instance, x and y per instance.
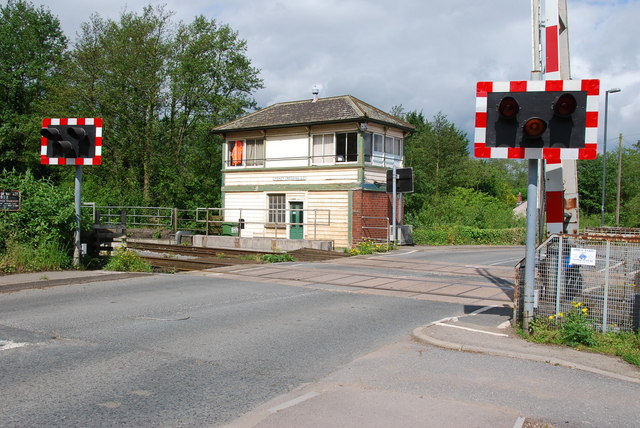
(582, 256)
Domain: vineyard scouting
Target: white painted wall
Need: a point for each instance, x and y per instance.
(326, 214)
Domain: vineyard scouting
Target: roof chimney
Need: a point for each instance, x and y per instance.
(315, 91)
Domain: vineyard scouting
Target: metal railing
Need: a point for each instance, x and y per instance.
(208, 221)
(375, 159)
(609, 231)
(376, 228)
(601, 272)
(131, 216)
(242, 218)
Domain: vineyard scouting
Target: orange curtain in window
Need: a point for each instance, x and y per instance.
(236, 154)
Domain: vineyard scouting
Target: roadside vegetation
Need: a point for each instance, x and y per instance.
(369, 246)
(459, 200)
(125, 260)
(574, 329)
(39, 236)
(269, 258)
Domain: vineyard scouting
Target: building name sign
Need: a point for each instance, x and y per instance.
(289, 178)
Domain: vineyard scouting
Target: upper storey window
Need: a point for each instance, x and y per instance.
(245, 153)
(323, 149)
(383, 150)
(335, 148)
(347, 147)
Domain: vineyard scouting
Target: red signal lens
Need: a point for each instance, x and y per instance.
(508, 108)
(565, 105)
(534, 127)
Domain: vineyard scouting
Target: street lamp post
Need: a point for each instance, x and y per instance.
(604, 150)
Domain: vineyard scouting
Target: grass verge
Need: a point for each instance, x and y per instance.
(46, 255)
(625, 345)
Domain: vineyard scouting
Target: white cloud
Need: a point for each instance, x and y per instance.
(423, 54)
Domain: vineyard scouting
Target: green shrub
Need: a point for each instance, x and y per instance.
(47, 212)
(277, 258)
(574, 329)
(368, 246)
(466, 217)
(466, 207)
(45, 223)
(466, 235)
(124, 260)
(251, 257)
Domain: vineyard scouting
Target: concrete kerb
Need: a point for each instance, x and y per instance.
(420, 335)
(38, 280)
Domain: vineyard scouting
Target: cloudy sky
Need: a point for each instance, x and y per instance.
(425, 55)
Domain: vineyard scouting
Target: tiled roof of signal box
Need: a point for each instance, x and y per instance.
(343, 108)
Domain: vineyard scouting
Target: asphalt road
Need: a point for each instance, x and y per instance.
(469, 255)
(178, 350)
(187, 350)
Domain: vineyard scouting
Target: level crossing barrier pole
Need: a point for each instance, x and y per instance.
(605, 299)
(559, 273)
(530, 259)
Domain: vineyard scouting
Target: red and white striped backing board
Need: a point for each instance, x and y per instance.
(552, 40)
(95, 160)
(591, 86)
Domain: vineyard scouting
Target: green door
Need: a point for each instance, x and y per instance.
(296, 220)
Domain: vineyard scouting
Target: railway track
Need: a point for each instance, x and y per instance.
(193, 251)
(182, 258)
(173, 264)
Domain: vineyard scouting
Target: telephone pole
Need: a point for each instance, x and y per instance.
(619, 180)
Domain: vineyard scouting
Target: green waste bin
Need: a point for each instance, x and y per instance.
(230, 229)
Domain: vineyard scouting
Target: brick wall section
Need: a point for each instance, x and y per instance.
(371, 204)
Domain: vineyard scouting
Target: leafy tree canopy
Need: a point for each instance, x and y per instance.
(159, 86)
(32, 48)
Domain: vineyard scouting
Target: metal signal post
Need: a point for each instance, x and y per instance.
(72, 141)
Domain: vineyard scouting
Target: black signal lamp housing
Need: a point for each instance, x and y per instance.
(533, 119)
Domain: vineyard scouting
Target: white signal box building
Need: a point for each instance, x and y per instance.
(312, 169)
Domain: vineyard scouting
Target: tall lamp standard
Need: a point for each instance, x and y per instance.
(604, 150)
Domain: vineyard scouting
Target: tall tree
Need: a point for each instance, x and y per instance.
(438, 152)
(32, 48)
(160, 89)
(590, 180)
(211, 80)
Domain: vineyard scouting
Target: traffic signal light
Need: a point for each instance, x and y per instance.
(71, 141)
(536, 119)
(552, 119)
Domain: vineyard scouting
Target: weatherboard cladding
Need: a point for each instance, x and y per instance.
(307, 112)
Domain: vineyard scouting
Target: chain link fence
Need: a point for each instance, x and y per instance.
(601, 271)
